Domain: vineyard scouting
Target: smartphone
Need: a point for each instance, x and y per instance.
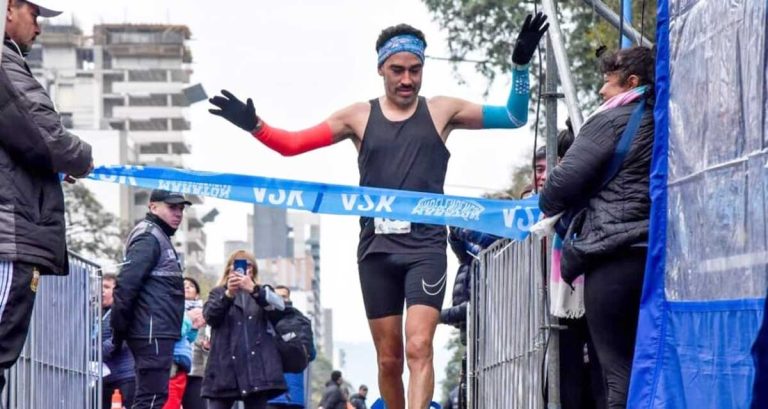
(240, 266)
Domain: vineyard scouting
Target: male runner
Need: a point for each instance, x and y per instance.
(401, 138)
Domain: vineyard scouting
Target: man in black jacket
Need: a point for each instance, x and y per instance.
(34, 149)
(358, 400)
(333, 398)
(611, 241)
(149, 297)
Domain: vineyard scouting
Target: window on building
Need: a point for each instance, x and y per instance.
(110, 104)
(180, 124)
(156, 37)
(155, 124)
(152, 100)
(151, 75)
(154, 148)
(35, 57)
(180, 76)
(66, 120)
(179, 100)
(179, 148)
(141, 198)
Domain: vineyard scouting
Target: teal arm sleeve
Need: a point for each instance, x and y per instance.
(515, 114)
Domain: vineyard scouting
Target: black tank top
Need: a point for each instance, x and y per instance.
(406, 155)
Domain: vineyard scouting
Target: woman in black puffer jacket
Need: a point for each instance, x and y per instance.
(243, 364)
(611, 245)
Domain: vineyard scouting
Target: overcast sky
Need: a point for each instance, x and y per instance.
(300, 61)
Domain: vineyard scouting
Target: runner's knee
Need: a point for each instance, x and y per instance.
(418, 348)
(391, 364)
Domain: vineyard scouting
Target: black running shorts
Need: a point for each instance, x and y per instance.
(389, 279)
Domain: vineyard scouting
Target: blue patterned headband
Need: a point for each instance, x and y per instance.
(397, 44)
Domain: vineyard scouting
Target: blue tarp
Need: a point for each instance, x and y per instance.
(706, 275)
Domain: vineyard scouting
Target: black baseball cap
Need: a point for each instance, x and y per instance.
(158, 195)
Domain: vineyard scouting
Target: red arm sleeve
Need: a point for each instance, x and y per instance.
(293, 143)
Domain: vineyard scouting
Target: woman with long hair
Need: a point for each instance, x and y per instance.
(243, 364)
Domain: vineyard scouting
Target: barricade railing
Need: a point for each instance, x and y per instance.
(507, 327)
(60, 365)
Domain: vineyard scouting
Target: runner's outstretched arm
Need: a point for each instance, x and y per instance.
(515, 113)
(287, 143)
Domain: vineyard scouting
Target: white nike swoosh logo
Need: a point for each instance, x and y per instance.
(439, 285)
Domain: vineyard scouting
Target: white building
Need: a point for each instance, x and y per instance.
(126, 82)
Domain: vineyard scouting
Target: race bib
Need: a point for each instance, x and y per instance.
(389, 226)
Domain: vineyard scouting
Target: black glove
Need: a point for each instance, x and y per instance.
(529, 38)
(235, 111)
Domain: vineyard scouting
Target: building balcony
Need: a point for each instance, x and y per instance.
(196, 239)
(147, 87)
(146, 112)
(150, 50)
(144, 137)
(193, 219)
(159, 159)
(194, 263)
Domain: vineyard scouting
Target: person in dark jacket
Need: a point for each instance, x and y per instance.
(149, 297)
(358, 400)
(611, 235)
(34, 149)
(466, 245)
(294, 397)
(243, 364)
(119, 360)
(333, 396)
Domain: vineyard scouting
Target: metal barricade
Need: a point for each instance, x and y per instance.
(507, 324)
(60, 365)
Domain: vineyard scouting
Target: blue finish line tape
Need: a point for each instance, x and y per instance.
(506, 218)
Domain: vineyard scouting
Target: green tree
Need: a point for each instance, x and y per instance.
(453, 368)
(91, 231)
(485, 30)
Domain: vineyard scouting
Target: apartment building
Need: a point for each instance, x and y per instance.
(129, 81)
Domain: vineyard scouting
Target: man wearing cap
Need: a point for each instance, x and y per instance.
(34, 149)
(68, 154)
(400, 137)
(149, 297)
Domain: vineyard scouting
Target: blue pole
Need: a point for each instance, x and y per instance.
(627, 15)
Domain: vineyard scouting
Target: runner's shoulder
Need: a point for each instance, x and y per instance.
(442, 102)
(356, 111)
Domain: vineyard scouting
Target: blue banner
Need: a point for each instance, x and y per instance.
(506, 218)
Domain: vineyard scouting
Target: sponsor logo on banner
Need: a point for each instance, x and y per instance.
(366, 203)
(278, 197)
(196, 188)
(121, 179)
(450, 208)
(525, 221)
